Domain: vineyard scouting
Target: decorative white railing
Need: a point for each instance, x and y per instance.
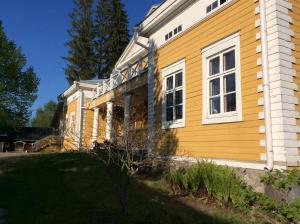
(117, 77)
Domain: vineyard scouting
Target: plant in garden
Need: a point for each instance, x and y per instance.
(125, 156)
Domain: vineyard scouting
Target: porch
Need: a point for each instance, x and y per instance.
(120, 113)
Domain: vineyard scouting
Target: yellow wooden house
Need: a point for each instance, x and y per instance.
(220, 77)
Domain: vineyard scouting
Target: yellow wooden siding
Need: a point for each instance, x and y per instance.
(102, 125)
(88, 127)
(69, 141)
(236, 141)
(295, 14)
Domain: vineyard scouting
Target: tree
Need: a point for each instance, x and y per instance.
(18, 85)
(81, 59)
(112, 36)
(44, 115)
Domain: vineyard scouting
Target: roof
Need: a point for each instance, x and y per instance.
(152, 9)
(83, 84)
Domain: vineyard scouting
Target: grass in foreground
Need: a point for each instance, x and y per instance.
(75, 188)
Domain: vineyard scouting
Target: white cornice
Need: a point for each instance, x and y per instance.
(163, 12)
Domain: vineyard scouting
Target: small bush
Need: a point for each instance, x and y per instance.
(282, 180)
(291, 211)
(217, 182)
(221, 183)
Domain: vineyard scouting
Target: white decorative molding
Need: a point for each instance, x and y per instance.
(282, 86)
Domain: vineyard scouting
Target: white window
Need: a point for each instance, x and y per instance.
(221, 81)
(215, 5)
(173, 103)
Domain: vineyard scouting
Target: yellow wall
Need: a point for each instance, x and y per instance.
(237, 141)
(69, 141)
(87, 131)
(295, 14)
(102, 125)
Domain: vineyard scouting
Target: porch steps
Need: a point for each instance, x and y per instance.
(49, 143)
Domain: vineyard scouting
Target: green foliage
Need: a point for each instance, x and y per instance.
(285, 180)
(44, 115)
(282, 180)
(81, 57)
(292, 211)
(18, 86)
(217, 181)
(112, 36)
(221, 183)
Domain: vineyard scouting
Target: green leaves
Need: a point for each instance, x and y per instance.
(81, 58)
(44, 115)
(282, 180)
(112, 36)
(18, 85)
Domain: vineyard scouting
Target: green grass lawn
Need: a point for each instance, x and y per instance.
(75, 188)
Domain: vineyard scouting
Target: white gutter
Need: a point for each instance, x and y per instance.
(266, 84)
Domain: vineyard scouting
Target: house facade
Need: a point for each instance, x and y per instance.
(219, 78)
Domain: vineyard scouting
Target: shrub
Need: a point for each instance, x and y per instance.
(291, 211)
(221, 184)
(218, 182)
(282, 179)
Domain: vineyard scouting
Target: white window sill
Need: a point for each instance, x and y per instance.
(222, 118)
(173, 125)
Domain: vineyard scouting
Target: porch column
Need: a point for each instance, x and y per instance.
(95, 124)
(151, 97)
(127, 112)
(109, 121)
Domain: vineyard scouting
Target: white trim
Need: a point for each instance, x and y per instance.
(218, 47)
(166, 72)
(230, 163)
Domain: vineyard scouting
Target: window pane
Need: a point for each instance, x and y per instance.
(215, 105)
(179, 28)
(178, 80)
(229, 60)
(170, 83)
(178, 97)
(169, 99)
(229, 82)
(167, 37)
(214, 66)
(208, 9)
(178, 112)
(170, 114)
(175, 31)
(222, 1)
(215, 87)
(230, 102)
(170, 34)
(215, 5)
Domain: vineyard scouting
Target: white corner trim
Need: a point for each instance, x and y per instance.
(208, 52)
(167, 71)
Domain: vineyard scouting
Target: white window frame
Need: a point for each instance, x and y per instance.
(231, 42)
(167, 72)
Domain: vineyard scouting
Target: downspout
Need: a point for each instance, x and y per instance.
(266, 85)
(151, 87)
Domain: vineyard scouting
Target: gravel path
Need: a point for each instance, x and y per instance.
(15, 154)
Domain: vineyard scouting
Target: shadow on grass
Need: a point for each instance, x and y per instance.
(45, 189)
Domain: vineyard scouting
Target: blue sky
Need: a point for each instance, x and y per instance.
(39, 27)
